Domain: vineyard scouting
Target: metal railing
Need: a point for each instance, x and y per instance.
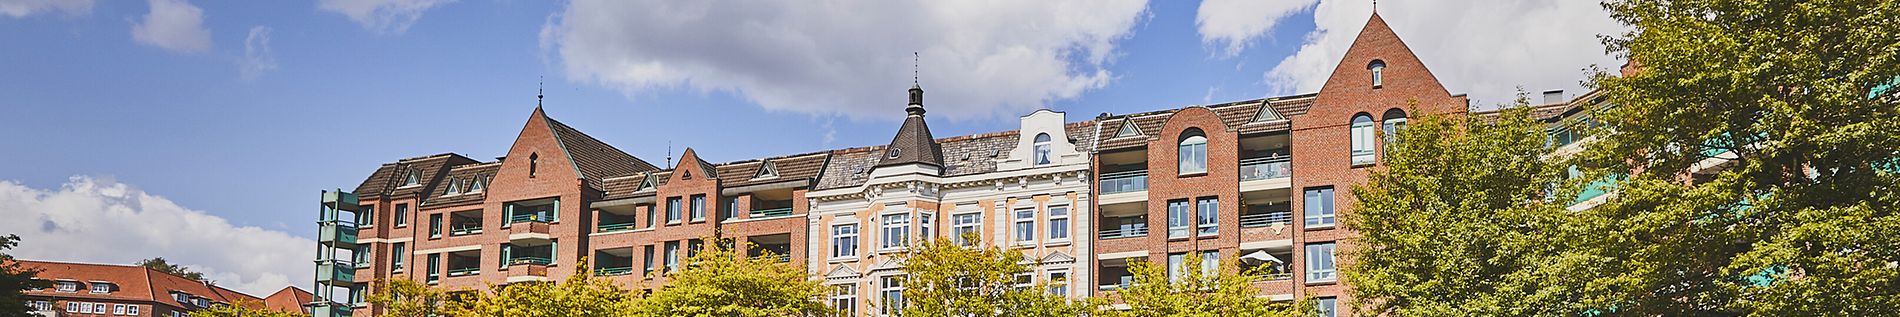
(465, 229)
(1122, 182)
(465, 271)
(611, 227)
(1266, 168)
(1112, 233)
(1276, 276)
(529, 218)
(1266, 218)
(520, 260)
(774, 212)
(610, 271)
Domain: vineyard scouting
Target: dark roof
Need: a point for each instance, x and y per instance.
(593, 159)
(388, 179)
(913, 144)
(790, 167)
(627, 186)
(1238, 115)
(464, 177)
(963, 155)
(1550, 112)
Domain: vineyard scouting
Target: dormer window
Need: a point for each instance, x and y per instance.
(894, 152)
(1128, 129)
(455, 187)
(414, 179)
(475, 185)
(181, 297)
(1378, 73)
(101, 287)
(767, 170)
(1042, 149)
(67, 286)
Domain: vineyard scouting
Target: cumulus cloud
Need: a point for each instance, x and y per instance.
(846, 57)
(22, 8)
(382, 16)
(99, 220)
(1233, 24)
(1486, 48)
(173, 25)
(257, 54)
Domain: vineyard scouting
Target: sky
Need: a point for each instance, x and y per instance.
(203, 131)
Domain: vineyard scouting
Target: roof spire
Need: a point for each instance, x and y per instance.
(539, 86)
(1375, 6)
(669, 154)
(916, 107)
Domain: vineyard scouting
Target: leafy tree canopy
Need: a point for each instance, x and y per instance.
(945, 279)
(716, 282)
(161, 265)
(14, 279)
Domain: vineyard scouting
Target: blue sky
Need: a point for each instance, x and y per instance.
(113, 94)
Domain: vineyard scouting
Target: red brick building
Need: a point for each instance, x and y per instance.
(85, 289)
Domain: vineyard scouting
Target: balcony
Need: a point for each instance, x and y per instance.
(769, 213)
(336, 272)
(1124, 182)
(613, 271)
(531, 231)
(1263, 219)
(1264, 168)
(465, 223)
(337, 234)
(465, 271)
(1124, 232)
(614, 227)
(464, 229)
(530, 218)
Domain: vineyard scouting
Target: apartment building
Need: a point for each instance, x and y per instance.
(1025, 189)
(86, 289)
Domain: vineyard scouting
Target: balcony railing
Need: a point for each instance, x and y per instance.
(780, 258)
(1265, 168)
(465, 271)
(529, 218)
(612, 227)
(1276, 276)
(1122, 182)
(1137, 231)
(465, 229)
(530, 260)
(1266, 218)
(774, 212)
(611, 271)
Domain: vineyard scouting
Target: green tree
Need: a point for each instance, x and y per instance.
(1795, 100)
(1228, 291)
(580, 295)
(716, 282)
(1456, 223)
(161, 265)
(242, 309)
(406, 298)
(945, 279)
(14, 279)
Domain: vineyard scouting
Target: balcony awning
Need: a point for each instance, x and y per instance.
(1258, 257)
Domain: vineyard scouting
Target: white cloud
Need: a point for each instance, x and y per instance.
(382, 16)
(847, 57)
(22, 8)
(1486, 48)
(1233, 24)
(174, 25)
(102, 221)
(257, 54)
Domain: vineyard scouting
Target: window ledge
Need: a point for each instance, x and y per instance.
(1325, 282)
(1322, 227)
(842, 259)
(1193, 174)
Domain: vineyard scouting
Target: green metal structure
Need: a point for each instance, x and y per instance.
(336, 234)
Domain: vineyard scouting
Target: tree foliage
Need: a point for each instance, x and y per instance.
(1456, 223)
(581, 295)
(406, 298)
(716, 282)
(1228, 291)
(1794, 103)
(945, 279)
(14, 279)
(242, 309)
(161, 265)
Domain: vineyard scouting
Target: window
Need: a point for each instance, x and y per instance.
(896, 231)
(435, 260)
(357, 294)
(1319, 263)
(414, 179)
(1174, 267)
(1026, 225)
(1394, 121)
(1208, 216)
(475, 186)
(964, 228)
(1319, 207)
(396, 255)
(40, 305)
(651, 212)
(1378, 73)
(366, 217)
(699, 207)
(1058, 222)
(132, 309)
(892, 288)
(181, 297)
(68, 287)
(1326, 306)
(1362, 153)
(101, 288)
(72, 307)
(1059, 282)
(844, 241)
(435, 225)
(118, 309)
(100, 308)
(1042, 149)
(402, 215)
(926, 226)
(672, 255)
(844, 298)
(1180, 218)
(1210, 263)
(672, 210)
(453, 187)
(1193, 152)
(767, 170)
(534, 163)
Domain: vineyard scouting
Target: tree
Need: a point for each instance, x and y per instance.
(14, 279)
(1457, 222)
(161, 265)
(946, 279)
(1794, 103)
(580, 295)
(1226, 291)
(406, 298)
(716, 282)
(242, 309)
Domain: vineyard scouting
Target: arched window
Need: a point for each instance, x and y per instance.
(1193, 152)
(1362, 152)
(1042, 149)
(534, 162)
(1393, 121)
(1378, 73)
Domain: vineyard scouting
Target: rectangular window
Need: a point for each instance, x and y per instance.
(396, 254)
(1193, 155)
(1210, 263)
(926, 227)
(100, 308)
(896, 231)
(435, 225)
(1059, 282)
(693, 246)
(366, 217)
(118, 309)
(963, 228)
(1174, 267)
(435, 260)
(699, 207)
(132, 309)
(844, 298)
(1326, 306)
(844, 241)
(672, 210)
(402, 215)
(357, 295)
(648, 260)
(68, 287)
(1058, 223)
(1026, 225)
(892, 288)
(1180, 219)
(72, 307)
(1362, 152)
(1319, 263)
(672, 255)
(650, 216)
(1207, 218)
(1319, 207)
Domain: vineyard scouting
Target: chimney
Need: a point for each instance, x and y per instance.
(1553, 96)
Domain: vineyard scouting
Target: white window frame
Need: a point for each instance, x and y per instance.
(100, 308)
(1361, 135)
(1025, 220)
(1180, 218)
(895, 233)
(1326, 306)
(962, 223)
(1207, 216)
(844, 241)
(67, 287)
(698, 207)
(926, 226)
(1059, 281)
(132, 309)
(1193, 150)
(1210, 263)
(844, 298)
(118, 309)
(890, 295)
(1041, 150)
(1175, 270)
(1392, 127)
(396, 256)
(1321, 263)
(72, 307)
(670, 254)
(101, 288)
(673, 210)
(1378, 73)
(1319, 209)
(402, 215)
(1059, 223)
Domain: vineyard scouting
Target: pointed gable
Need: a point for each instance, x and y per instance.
(691, 167)
(1266, 114)
(549, 149)
(766, 170)
(1402, 78)
(1128, 129)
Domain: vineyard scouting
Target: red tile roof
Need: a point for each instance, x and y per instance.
(133, 283)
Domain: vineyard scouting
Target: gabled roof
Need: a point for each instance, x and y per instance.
(134, 283)
(388, 179)
(1238, 115)
(913, 143)
(465, 176)
(962, 155)
(594, 160)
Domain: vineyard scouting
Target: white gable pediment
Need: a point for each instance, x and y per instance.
(1058, 257)
(842, 272)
